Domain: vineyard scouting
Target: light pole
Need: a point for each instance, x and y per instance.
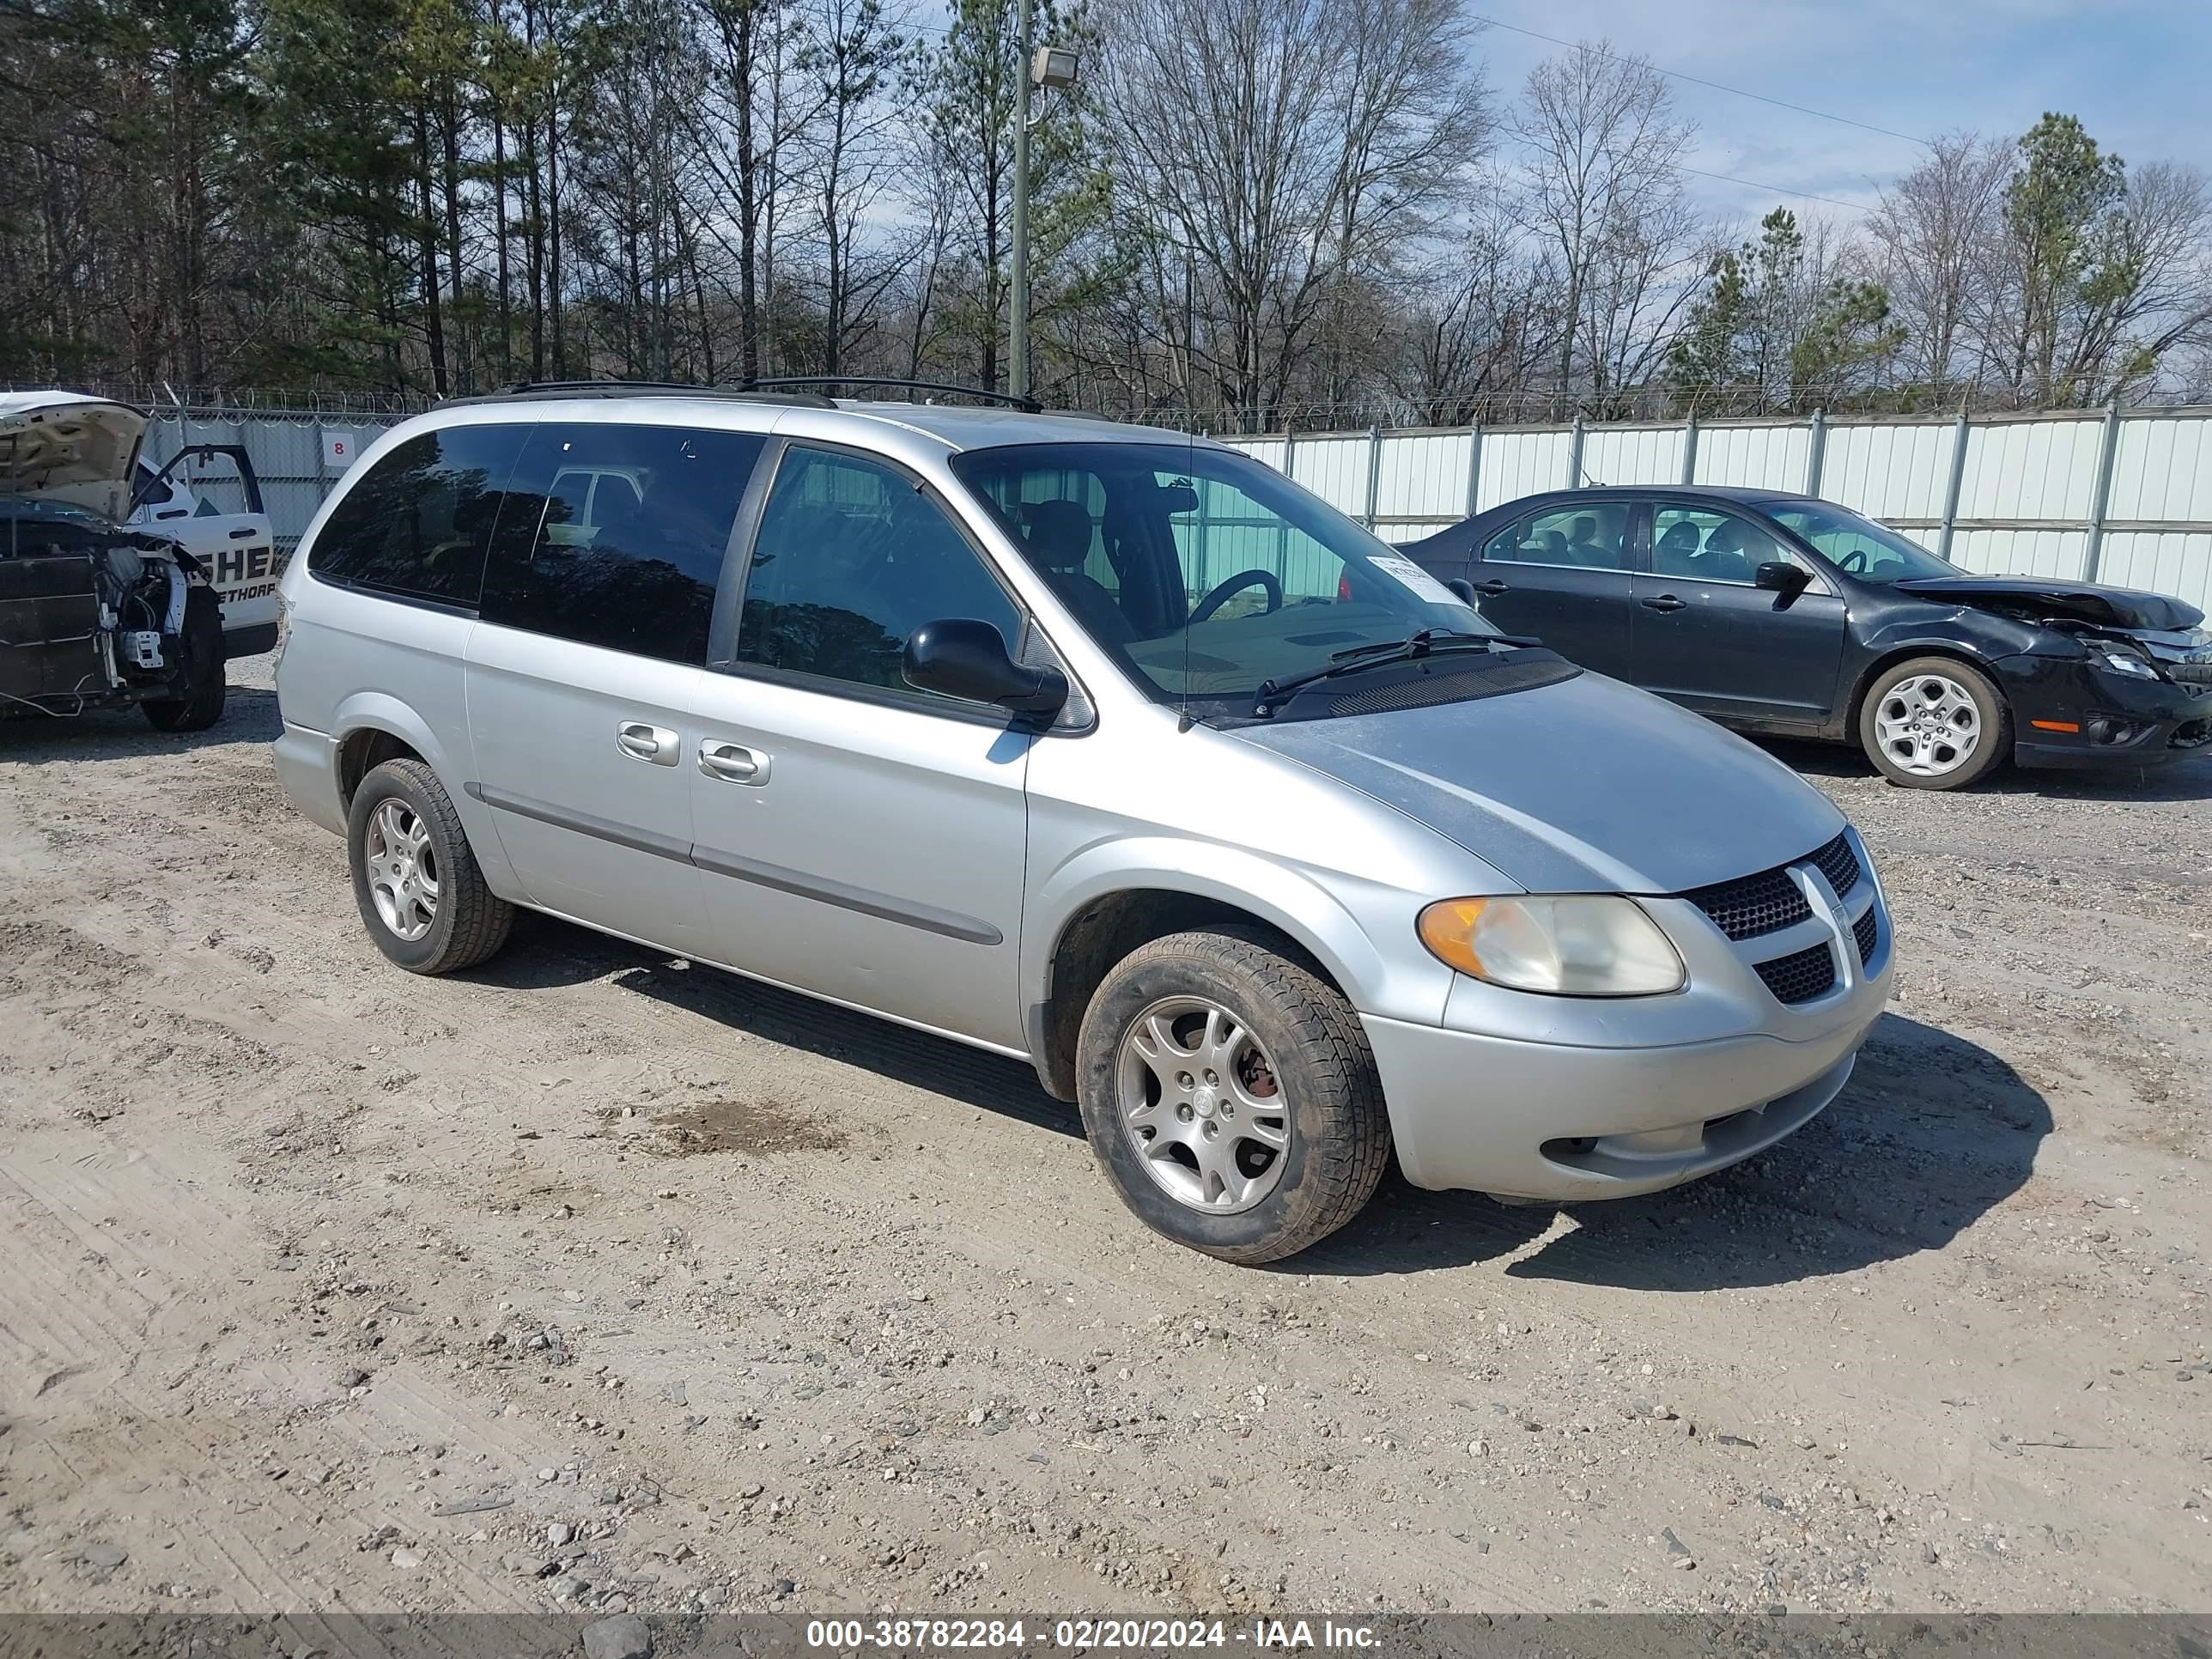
(1049, 68)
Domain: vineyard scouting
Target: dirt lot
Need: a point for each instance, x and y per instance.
(592, 1279)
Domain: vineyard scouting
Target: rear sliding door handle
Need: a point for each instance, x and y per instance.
(732, 762)
(654, 745)
(1663, 602)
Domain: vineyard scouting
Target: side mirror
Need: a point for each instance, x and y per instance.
(961, 657)
(1780, 576)
(1464, 590)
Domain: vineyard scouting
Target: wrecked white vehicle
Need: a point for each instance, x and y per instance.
(95, 613)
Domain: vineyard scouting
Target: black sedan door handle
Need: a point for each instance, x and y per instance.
(1493, 585)
(1663, 602)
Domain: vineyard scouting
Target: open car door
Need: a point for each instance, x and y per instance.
(238, 549)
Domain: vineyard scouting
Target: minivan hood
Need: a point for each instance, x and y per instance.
(1586, 786)
(2033, 598)
(67, 446)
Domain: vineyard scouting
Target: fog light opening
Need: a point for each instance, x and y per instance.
(2109, 733)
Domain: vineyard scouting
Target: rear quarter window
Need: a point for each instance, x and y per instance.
(418, 521)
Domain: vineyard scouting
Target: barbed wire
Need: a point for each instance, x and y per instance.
(1653, 406)
(1668, 403)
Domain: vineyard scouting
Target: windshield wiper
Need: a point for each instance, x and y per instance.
(1420, 636)
(1382, 652)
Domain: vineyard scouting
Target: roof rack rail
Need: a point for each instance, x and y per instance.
(1014, 399)
(529, 389)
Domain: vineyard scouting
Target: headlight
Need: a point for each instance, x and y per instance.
(1578, 946)
(2120, 660)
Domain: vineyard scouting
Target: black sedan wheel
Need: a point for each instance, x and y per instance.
(1933, 723)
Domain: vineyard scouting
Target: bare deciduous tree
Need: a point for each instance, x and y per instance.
(1278, 145)
(1249, 212)
(1603, 189)
(1482, 327)
(1933, 230)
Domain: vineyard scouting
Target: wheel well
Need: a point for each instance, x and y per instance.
(1106, 930)
(1906, 654)
(364, 751)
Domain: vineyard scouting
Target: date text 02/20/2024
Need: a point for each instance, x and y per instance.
(899, 1635)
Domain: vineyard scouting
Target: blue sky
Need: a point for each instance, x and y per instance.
(2138, 72)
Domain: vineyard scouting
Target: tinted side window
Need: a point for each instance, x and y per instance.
(851, 559)
(614, 536)
(1594, 538)
(418, 521)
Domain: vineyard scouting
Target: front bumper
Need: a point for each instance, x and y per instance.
(1558, 1099)
(1546, 1121)
(2066, 712)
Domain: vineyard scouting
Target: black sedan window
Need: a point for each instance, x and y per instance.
(1592, 536)
(1857, 545)
(1696, 544)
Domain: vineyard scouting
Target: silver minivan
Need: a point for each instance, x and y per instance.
(1099, 746)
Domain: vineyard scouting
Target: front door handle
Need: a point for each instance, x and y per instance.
(1493, 585)
(656, 745)
(1663, 602)
(732, 762)
(243, 533)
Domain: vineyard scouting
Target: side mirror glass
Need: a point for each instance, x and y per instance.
(1780, 576)
(961, 657)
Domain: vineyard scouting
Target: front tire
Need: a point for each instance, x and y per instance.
(1933, 723)
(206, 678)
(422, 894)
(1230, 1093)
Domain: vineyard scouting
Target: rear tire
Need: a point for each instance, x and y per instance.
(1208, 1163)
(207, 679)
(421, 895)
(1933, 723)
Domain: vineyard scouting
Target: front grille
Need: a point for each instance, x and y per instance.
(1770, 901)
(2190, 673)
(1752, 905)
(1865, 930)
(1801, 975)
(1839, 864)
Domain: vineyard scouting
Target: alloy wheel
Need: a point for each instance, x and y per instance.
(1928, 725)
(402, 868)
(1203, 1105)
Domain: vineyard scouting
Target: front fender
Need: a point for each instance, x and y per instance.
(1978, 635)
(1338, 923)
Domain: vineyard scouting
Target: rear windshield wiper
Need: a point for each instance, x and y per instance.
(1418, 644)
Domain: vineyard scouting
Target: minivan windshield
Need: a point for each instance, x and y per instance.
(1206, 573)
(1858, 546)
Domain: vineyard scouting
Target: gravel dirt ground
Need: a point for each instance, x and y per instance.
(594, 1280)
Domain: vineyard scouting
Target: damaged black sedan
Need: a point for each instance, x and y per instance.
(93, 613)
(1794, 616)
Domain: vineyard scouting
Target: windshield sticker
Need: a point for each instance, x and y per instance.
(1423, 585)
